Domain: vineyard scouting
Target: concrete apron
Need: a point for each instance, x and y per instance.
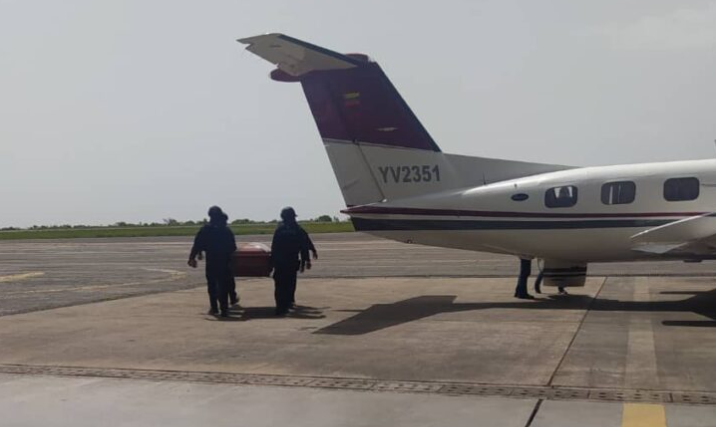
(637, 338)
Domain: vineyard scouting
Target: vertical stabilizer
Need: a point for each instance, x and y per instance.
(378, 148)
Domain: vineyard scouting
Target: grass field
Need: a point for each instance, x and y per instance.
(68, 233)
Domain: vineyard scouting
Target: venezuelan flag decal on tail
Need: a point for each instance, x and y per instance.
(351, 99)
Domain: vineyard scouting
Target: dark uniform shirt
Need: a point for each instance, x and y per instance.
(309, 242)
(217, 240)
(289, 242)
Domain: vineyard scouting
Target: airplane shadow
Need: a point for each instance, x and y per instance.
(381, 316)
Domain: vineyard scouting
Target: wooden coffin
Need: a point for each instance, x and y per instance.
(252, 260)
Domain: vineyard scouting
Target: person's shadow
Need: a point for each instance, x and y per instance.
(299, 312)
(232, 317)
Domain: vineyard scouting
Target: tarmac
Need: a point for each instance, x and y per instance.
(116, 331)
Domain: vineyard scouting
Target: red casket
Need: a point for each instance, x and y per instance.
(252, 260)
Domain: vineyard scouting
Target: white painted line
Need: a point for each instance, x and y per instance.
(19, 277)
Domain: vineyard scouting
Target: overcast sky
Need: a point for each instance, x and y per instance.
(142, 110)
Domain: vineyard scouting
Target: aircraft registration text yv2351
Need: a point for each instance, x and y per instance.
(408, 174)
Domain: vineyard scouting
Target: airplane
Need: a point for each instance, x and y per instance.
(398, 184)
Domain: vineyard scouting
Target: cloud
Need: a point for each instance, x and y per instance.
(683, 28)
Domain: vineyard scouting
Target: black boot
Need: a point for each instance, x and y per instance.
(213, 304)
(224, 308)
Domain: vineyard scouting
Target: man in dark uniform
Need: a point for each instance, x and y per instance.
(289, 243)
(306, 262)
(217, 240)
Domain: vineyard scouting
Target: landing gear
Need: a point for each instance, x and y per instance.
(525, 271)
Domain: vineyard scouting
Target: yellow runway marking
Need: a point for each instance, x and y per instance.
(643, 415)
(641, 365)
(18, 277)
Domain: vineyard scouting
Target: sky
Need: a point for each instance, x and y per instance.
(143, 110)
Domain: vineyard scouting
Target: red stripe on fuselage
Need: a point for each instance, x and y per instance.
(376, 210)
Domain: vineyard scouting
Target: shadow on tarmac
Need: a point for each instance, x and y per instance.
(300, 312)
(381, 316)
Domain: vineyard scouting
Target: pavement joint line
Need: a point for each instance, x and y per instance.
(576, 332)
(444, 388)
(534, 413)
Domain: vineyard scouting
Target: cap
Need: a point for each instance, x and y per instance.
(215, 212)
(288, 213)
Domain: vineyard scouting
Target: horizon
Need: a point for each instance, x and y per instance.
(165, 223)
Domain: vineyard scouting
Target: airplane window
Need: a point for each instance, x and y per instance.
(561, 197)
(520, 197)
(618, 193)
(681, 189)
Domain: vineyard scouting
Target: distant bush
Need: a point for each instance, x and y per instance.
(242, 221)
(171, 222)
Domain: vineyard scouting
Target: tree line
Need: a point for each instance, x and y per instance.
(166, 222)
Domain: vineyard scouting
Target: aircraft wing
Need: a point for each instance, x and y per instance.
(296, 57)
(695, 235)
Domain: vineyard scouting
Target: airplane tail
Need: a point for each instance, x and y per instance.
(378, 148)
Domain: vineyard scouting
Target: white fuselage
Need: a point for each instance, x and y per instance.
(487, 218)
(397, 182)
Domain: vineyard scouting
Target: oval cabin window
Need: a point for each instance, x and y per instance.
(520, 197)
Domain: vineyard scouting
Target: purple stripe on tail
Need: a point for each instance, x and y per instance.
(361, 104)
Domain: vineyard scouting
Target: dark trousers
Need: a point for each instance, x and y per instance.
(525, 271)
(218, 281)
(233, 296)
(284, 288)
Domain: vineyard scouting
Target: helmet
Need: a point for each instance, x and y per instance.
(288, 213)
(215, 212)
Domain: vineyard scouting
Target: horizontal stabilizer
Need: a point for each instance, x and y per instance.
(296, 57)
(658, 249)
(690, 235)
